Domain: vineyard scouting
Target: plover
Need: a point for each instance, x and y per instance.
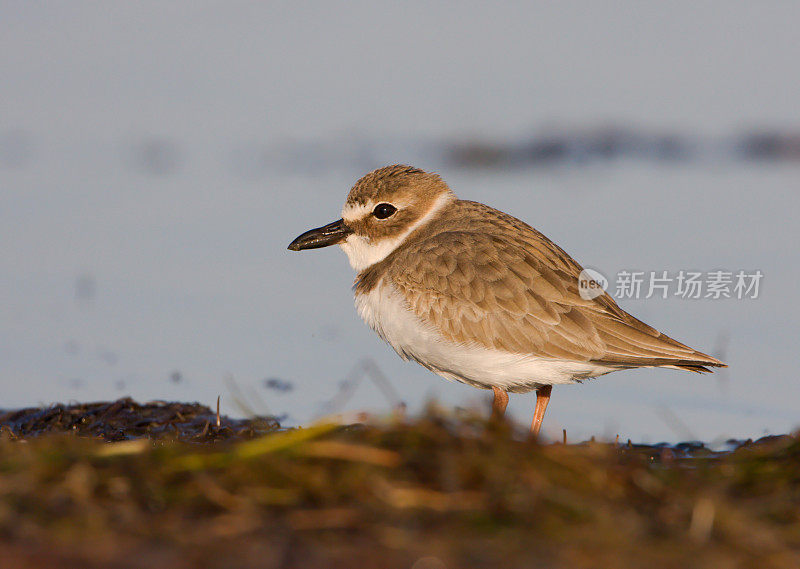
(478, 296)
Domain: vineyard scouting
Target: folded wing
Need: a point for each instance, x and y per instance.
(496, 291)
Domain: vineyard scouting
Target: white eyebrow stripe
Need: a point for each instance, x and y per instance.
(353, 212)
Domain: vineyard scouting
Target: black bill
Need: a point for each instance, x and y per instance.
(330, 234)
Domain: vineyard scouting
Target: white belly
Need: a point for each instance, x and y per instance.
(385, 311)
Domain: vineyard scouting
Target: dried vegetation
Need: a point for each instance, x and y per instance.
(176, 490)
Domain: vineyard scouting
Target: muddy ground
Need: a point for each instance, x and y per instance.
(122, 484)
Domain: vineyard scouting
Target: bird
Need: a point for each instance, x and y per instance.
(480, 297)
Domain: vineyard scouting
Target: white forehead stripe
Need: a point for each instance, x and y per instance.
(362, 252)
(354, 211)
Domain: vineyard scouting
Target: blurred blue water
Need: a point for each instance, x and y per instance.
(156, 160)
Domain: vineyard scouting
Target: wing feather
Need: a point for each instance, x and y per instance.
(495, 290)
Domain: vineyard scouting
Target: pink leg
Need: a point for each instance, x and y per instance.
(542, 399)
(499, 403)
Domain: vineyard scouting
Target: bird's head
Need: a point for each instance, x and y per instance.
(382, 209)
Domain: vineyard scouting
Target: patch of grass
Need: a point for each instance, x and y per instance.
(435, 491)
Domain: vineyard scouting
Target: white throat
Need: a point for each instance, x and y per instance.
(362, 252)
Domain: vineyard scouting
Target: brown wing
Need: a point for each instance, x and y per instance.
(491, 290)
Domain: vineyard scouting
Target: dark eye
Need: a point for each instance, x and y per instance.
(383, 210)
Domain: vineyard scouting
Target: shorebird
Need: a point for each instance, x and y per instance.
(480, 297)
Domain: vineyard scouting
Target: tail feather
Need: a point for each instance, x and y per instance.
(701, 364)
